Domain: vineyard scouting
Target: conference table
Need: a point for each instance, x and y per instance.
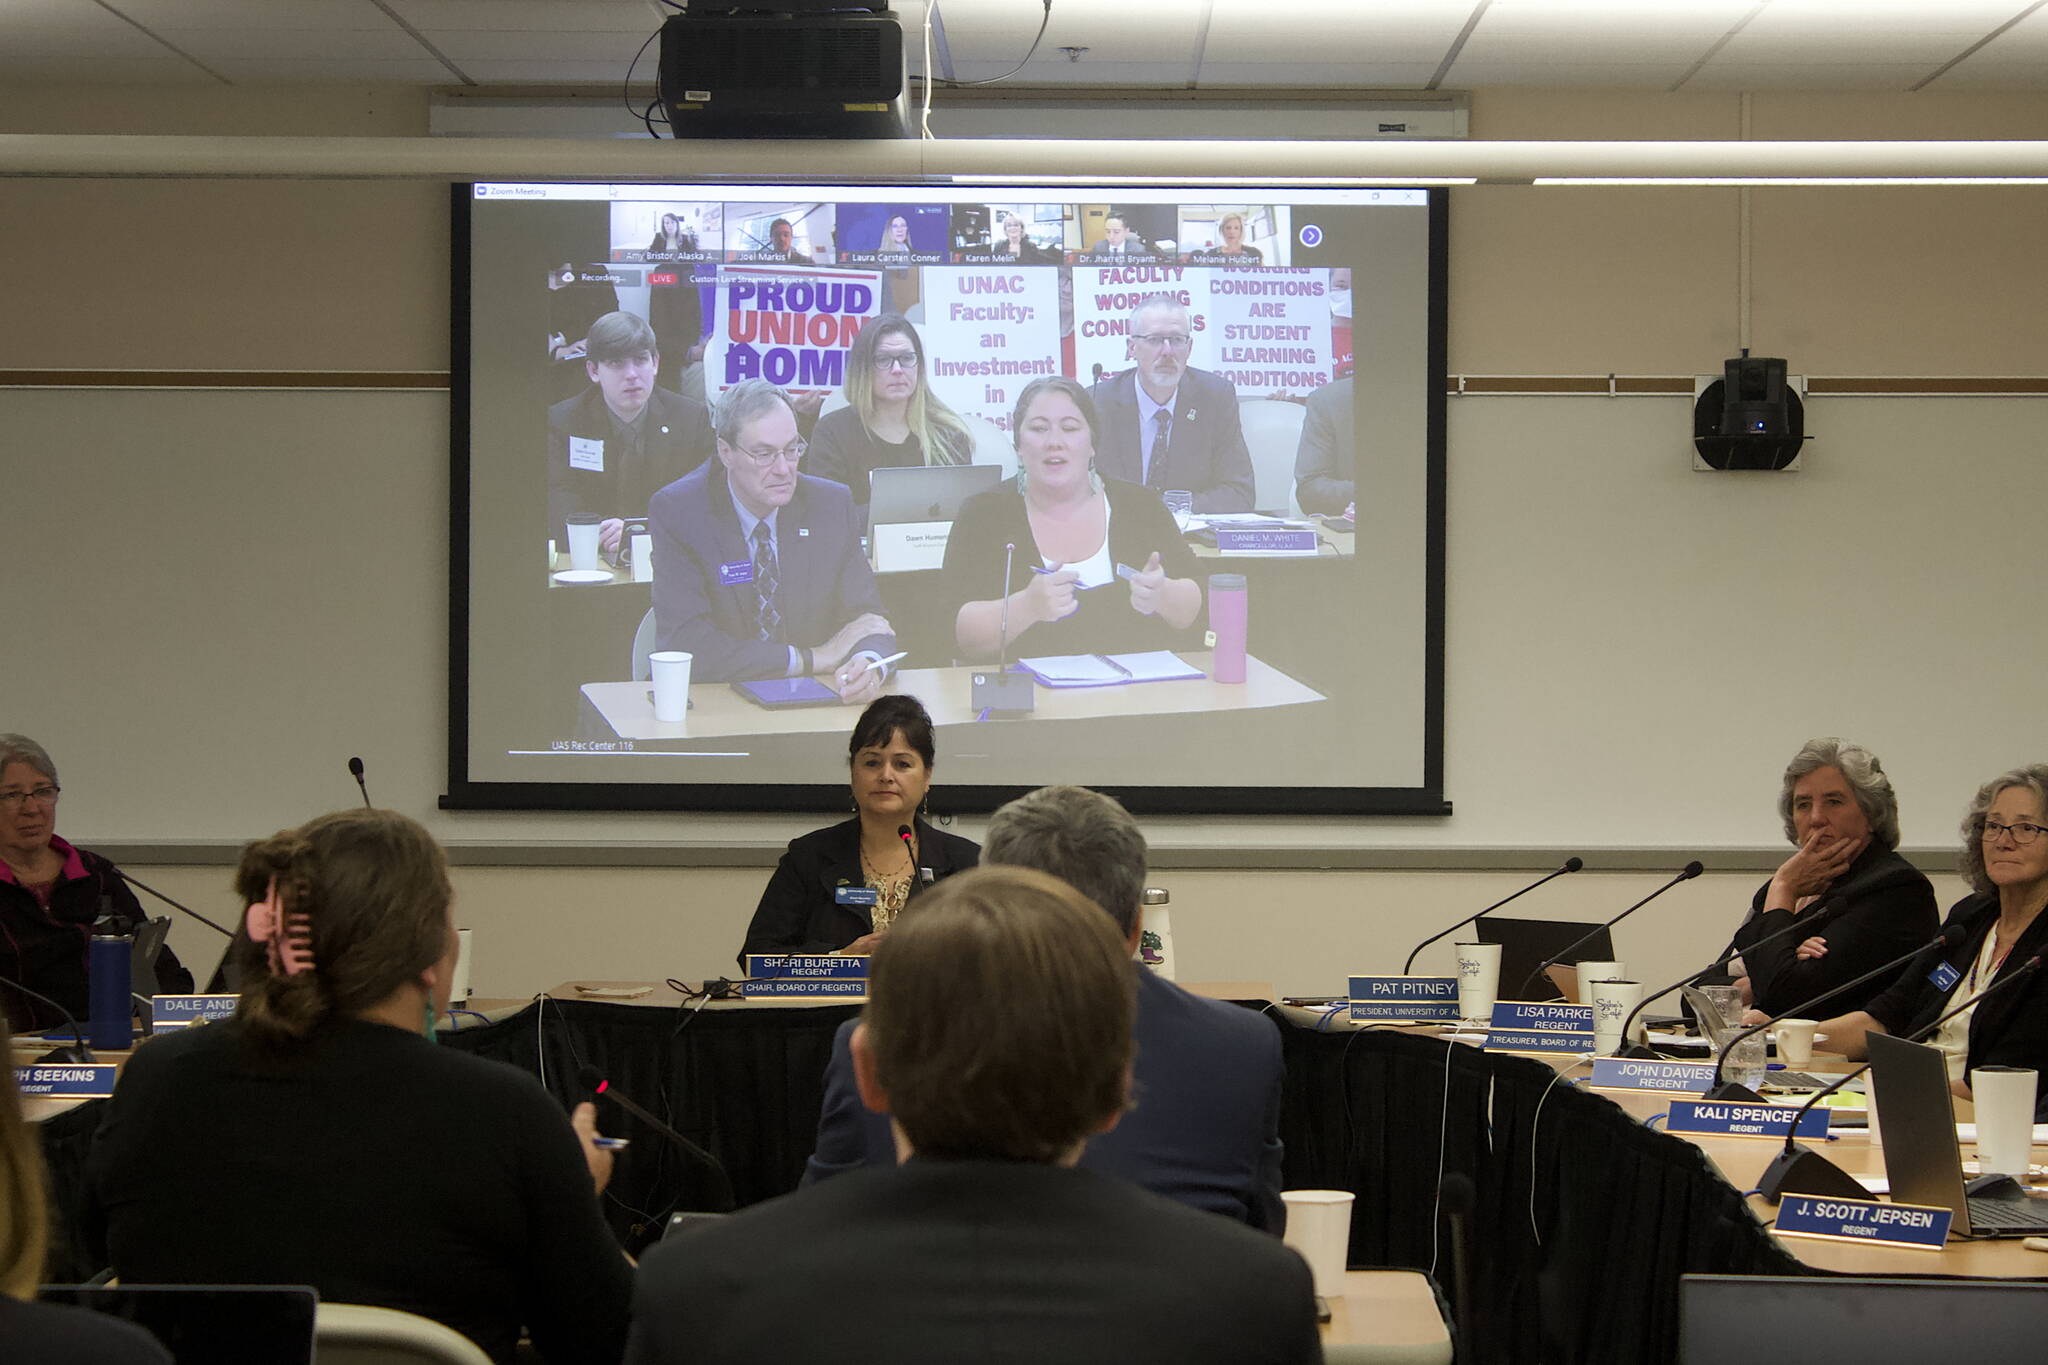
(716, 711)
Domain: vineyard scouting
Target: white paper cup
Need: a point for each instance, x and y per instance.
(2004, 1100)
(671, 684)
(1319, 1227)
(1478, 980)
(583, 542)
(458, 992)
(1612, 1001)
(643, 559)
(1589, 972)
(1795, 1040)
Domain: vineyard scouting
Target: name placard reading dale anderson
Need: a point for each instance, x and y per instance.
(805, 977)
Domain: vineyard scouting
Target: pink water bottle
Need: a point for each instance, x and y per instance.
(1227, 622)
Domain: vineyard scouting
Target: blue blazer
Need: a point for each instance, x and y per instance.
(825, 580)
(1205, 451)
(1203, 1130)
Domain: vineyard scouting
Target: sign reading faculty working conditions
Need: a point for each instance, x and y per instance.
(789, 327)
(1265, 329)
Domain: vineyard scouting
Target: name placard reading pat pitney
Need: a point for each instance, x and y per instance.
(66, 1080)
(805, 977)
(1726, 1118)
(169, 1013)
(1385, 998)
(1522, 1026)
(1676, 1078)
(1864, 1220)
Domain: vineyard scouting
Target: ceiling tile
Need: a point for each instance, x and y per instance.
(213, 45)
(332, 15)
(560, 16)
(551, 72)
(1827, 21)
(1717, 75)
(393, 71)
(528, 45)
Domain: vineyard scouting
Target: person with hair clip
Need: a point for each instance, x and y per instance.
(45, 1333)
(818, 901)
(998, 1039)
(891, 418)
(318, 1137)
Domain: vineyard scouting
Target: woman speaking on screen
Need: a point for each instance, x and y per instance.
(1099, 565)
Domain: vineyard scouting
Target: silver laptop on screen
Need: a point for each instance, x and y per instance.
(925, 492)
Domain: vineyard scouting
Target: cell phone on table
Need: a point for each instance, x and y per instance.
(776, 693)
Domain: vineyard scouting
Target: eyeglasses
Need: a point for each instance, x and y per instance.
(895, 360)
(2022, 833)
(42, 796)
(1172, 341)
(793, 452)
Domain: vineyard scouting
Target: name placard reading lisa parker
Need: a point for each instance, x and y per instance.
(1519, 1026)
(805, 977)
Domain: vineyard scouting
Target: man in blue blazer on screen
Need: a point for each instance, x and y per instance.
(1204, 1127)
(758, 570)
(1166, 425)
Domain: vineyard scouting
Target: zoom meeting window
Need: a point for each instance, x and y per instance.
(1138, 488)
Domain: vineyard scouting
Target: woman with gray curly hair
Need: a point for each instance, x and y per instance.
(1866, 904)
(2005, 857)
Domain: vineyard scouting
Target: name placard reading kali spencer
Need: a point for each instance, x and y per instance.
(1864, 1220)
(1724, 1118)
(1519, 1026)
(168, 1013)
(1376, 998)
(66, 1080)
(1677, 1078)
(803, 977)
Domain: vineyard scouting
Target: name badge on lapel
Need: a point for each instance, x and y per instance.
(855, 895)
(735, 572)
(1944, 977)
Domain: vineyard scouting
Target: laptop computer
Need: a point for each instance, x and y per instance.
(1845, 1320)
(203, 1324)
(925, 492)
(1922, 1158)
(1525, 944)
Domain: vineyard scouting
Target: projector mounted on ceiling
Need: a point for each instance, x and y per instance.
(784, 69)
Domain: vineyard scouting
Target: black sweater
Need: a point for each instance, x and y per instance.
(1887, 909)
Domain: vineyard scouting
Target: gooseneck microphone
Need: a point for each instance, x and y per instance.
(1572, 864)
(1801, 1170)
(75, 1052)
(181, 909)
(1729, 1090)
(593, 1080)
(1685, 874)
(355, 768)
(1807, 922)
(998, 691)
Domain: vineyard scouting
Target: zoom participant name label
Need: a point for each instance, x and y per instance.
(1864, 1220)
(797, 976)
(1376, 998)
(1520, 1026)
(1719, 1118)
(66, 1081)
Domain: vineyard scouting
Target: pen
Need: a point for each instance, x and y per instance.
(612, 1144)
(875, 665)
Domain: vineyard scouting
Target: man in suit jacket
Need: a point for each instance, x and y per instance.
(1119, 243)
(758, 570)
(1165, 425)
(1325, 461)
(1206, 1127)
(611, 446)
(997, 1037)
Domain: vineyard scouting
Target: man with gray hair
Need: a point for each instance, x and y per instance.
(1167, 425)
(613, 445)
(1205, 1125)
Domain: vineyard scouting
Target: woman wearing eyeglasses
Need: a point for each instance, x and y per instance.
(2005, 857)
(55, 897)
(891, 418)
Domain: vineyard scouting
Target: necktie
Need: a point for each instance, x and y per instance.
(1155, 463)
(766, 616)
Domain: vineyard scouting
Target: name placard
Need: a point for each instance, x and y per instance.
(169, 1013)
(66, 1080)
(903, 546)
(1724, 1118)
(1276, 543)
(1627, 1073)
(1522, 1026)
(1864, 1220)
(1375, 998)
(805, 977)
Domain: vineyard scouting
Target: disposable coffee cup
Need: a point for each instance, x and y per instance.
(2004, 1100)
(1319, 1227)
(583, 541)
(1795, 1040)
(671, 684)
(1478, 980)
(1612, 1001)
(643, 559)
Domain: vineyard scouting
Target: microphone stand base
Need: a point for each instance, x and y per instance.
(1805, 1171)
(1733, 1092)
(71, 1054)
(1003, 694)
(1641, 1052)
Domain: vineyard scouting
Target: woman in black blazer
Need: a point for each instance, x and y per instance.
(837, 889)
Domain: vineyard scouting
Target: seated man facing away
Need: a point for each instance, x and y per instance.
(997, 1036)
(758, 570)
(1205, 1126)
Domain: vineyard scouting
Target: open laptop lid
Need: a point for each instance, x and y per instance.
(204, 1324)
(1843, 1320)
(1922, 1159)
(921, 493)
(1526, 944)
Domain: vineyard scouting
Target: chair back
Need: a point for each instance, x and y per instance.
(1272, 432)
(358, 1334)
(638, 669)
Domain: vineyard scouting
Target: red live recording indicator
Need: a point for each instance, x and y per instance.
(664, 277)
